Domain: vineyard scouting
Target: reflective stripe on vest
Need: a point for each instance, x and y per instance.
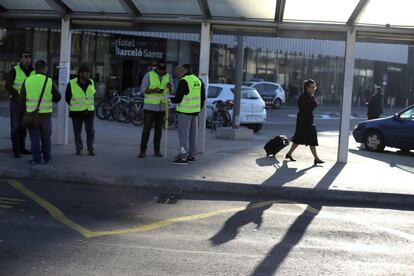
(33, 87)
(81, 100)
(154, 82)
(20, 77)
(191, 101)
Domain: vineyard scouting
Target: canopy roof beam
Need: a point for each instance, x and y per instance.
(130, 8)
(356, 14)
(60, 7)
(280, 9)
(205, 9)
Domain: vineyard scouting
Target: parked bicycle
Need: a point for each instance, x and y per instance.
(220, 116)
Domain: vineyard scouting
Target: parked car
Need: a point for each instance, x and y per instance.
(271, 92)
(252, 107)
(394, 131)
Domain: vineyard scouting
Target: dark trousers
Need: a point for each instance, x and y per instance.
(152, 118)
(40, 139)
(77, 123)
(18, 133)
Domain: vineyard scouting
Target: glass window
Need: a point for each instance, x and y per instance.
(248, 93)
(408, 115)
(88, 47)
(259, 87)
(39, 45)
(213, 92)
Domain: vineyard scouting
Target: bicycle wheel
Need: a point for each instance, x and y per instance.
(99, 110)
(136, 113)
(107, 110)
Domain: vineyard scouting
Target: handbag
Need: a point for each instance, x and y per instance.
(31, 119)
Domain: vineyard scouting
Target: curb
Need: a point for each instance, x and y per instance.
(203, 186)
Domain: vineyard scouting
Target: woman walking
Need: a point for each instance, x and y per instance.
(305, 133)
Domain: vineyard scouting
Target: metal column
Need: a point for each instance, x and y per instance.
(64, 74)
(205, 38)
(347, 97)
(238, 79)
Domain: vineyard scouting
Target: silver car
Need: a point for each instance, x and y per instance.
(272, 93)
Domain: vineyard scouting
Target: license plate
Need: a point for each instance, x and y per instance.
(252, 118)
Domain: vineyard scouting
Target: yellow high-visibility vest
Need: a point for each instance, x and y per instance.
(81, 100)
(20, 77)
(154, 82)
(191, 101)
(33, 87)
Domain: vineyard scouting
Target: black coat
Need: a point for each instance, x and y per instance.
(305, 133)
(374, 106)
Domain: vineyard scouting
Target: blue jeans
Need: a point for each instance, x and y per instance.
(40, 139)
(18, 133)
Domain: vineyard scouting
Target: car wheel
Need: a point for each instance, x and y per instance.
(277, 104)
(374, 141)
(255, 127)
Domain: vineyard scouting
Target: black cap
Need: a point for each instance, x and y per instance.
(161, 66)
(83, 68)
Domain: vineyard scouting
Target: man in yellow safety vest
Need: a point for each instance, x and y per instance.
(30, 94)
(14, 82)
(189, 97)
(156, 85)
(80, 95)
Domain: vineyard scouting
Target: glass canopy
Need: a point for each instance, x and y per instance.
(359, 13)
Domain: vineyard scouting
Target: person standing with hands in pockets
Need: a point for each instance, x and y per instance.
(80, 95)
(156, 85)
(305, 133)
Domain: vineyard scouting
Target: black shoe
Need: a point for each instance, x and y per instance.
(157, 154)
(16, 155)
(33, 162)
(92, 153)
(141, 155)
(180, 161)
(190, 159)
(78, 152)
(25, 151)
(288, 156)
(318, 161)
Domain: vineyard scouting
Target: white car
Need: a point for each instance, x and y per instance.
(271, 92)
(252, 107)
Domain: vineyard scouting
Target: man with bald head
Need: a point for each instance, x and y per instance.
(189, 97)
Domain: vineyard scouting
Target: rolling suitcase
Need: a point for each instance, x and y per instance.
(275, 144)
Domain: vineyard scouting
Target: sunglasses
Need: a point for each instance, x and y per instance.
(26, 56)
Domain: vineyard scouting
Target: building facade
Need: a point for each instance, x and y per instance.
(120, 59)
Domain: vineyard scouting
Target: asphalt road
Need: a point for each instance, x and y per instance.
(77, 229)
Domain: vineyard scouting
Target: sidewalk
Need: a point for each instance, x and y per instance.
(233, 167)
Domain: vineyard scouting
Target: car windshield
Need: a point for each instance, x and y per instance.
(248, 93)
(408, 115)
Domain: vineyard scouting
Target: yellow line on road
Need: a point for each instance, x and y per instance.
(53, 211)
(12, 199)
(5, 206)
(8, 202)
(59, 216)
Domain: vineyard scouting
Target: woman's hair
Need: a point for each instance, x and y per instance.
(306, 84)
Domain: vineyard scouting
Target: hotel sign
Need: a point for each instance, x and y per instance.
(139, 47)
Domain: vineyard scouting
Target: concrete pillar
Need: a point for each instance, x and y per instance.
(64, 74)
(347, 97)
(205, 38)
(238, 79)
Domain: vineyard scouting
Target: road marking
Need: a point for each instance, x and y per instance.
(53, 211)
(12, 199)
(8, 202)
(59, 216)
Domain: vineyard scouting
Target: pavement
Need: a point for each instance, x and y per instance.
(227, 166)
